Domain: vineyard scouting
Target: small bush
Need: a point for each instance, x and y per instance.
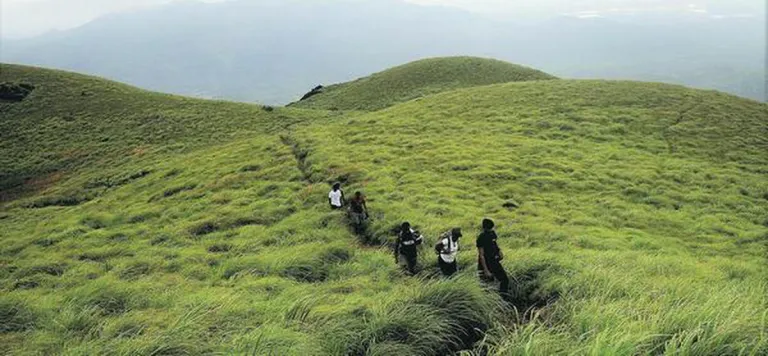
(16, 316)
(59, 200)
(251, 168)
(306, 272)
(219, 248)
(176, 190)
(135, 270)
(203, 228)
(106, 299)
(53, 269)
(15, 91)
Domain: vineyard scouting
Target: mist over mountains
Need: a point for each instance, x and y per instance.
(274, 51)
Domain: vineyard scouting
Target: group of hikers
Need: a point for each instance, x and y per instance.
(489, 255)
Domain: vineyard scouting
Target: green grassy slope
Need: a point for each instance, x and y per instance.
(71, 120)
(641, 207)
(417, 79)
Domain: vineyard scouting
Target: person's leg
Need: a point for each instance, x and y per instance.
(498, 272)
(411, 264)
(453, 268)
(444, 267)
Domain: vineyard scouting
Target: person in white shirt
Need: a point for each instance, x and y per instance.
(336, 197)
(447, 249)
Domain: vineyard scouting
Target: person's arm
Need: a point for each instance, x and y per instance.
(481, 257)
(419, 239)
(439, 247)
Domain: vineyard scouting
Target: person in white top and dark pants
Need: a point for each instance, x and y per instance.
(447, 249)
(336, 197)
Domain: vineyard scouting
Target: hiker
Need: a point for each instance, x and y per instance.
(405, 247)
(447, 249)
(358, 211)
(336, 197)
(489, 257)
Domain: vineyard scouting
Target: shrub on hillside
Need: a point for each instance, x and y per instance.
(15, 91)
(15, 316)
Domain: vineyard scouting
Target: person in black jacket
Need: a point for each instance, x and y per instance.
(405, 247)
(489, 257)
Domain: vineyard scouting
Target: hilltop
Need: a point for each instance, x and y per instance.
(415, 80)
(632, 216)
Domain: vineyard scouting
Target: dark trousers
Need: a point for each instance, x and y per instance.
(448, 268)
(497, 270)
(410, 262)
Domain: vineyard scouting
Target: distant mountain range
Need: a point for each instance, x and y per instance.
(274, 51)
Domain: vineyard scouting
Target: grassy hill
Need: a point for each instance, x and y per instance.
(418, 79)
(633, 217)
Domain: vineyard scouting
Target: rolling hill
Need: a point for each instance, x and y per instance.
(272, 51)
(633, 217)
(417, 79)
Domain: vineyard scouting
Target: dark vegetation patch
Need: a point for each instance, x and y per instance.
(251, 168)
(109, 301)
(142, 217)
(16, 316)
(46, 241)
(442, 320)
(316, 90)
(219, 248)
(94, 222)
(204, 228)
(102, 255)
(116, 181)
(527, 290)
(15, 91)
(59, 200)
(267, 108)
(173, 172)
(176, 190)
(318, 268)
(135, 270)
(511, 205)
(306, 272)
(25, 284)
(52, 269)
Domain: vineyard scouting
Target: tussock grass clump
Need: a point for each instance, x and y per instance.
(16, 316)
(59, 200)
(52, 269)
(440, 318)
(109, 298)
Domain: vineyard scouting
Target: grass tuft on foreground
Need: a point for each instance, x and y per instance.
(632, 215)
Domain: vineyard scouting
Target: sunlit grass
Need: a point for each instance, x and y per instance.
(626, 230)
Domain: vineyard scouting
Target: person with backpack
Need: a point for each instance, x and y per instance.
(358, 211)
(489, 257)
(336, 197)
(447, 249)
(405, 247)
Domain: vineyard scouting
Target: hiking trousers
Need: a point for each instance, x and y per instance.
(498, 273)
(448, 268)
(409, 261)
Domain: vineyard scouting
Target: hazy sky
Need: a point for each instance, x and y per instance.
(25, 18)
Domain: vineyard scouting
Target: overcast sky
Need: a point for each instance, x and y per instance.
(26, 18)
